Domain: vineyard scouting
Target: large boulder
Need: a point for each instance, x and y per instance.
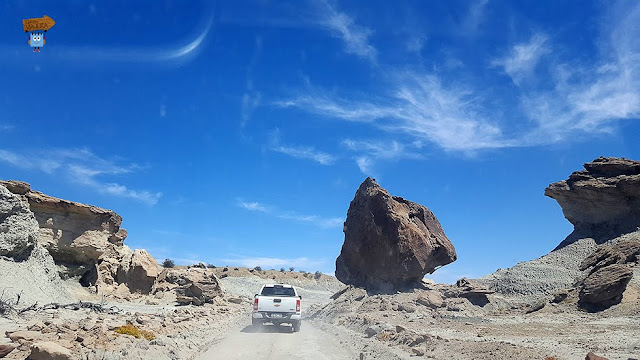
(605, 286)
(390, 242)
(194, 285)
(141, 272)
(18, 226)
(603, 198)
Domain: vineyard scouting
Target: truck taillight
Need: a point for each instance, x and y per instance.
(297, 305)
(255, 304)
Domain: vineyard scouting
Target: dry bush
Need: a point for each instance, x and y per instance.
(132, 330)
(384, 336)
(550, 358)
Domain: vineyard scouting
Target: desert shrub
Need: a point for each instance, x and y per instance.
(225, 269)
(291, 269)
(132, 330)
(384, 336)
(211, 266)
(317, 275)
(550, 358)
(168, 263)
(281, 269)
(257, 268)
(236, 269)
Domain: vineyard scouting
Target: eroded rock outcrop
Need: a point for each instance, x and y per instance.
(85, 241)
(74, 233)
(18, 226)
(602, 199)
(193, 285)
(390, 242)
(596, 260)
(27, 271)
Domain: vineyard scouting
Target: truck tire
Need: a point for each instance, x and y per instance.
(296, 326)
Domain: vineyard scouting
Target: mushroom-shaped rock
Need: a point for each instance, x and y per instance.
(390, 242)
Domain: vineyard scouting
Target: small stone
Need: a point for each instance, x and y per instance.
(50, 351)
(592, 356)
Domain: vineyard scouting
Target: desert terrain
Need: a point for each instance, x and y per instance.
(71, 289)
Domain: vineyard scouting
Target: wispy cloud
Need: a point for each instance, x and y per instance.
(474, 17)
(316, 220)
(299, 152)
(523, 58)
(420, 106)
(274, 262)
(342, 26)
(83, 167)
(368, 152)
(253, 206)
(591, 98)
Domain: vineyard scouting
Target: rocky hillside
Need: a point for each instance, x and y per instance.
(594, 264)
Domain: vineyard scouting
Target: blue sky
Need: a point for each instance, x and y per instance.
(237, 132)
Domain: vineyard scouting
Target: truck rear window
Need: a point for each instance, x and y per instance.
(277, 291)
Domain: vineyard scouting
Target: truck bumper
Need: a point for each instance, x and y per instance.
(265, 317)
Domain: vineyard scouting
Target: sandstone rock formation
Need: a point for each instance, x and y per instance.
(192, 286)
(140, 274)
(602, 203)
(609, 275)
(604, 287)
(74, 233)
(603, 199)
(27, 271)
(18, 226)
(390, 242)
(85, 241)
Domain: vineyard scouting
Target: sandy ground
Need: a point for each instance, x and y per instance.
(271, 342)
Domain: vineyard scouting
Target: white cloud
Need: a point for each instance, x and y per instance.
(316, 220)
(371, 151)
(300, 152)
(253, 206)
(83, 167)
(341, 25)
(420, 107)
(590, 98)
(308, 153)
(474, 17)
(521, 62)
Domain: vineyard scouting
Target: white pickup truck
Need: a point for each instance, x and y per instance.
(277, 304)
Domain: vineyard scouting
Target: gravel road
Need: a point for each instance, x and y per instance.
(279, 342)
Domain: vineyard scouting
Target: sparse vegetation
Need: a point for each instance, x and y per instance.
(317, 275)
(550, 358)
(291, 269)
(211, 266)
(257, 268)
(281, 269)
(168, 263)
(132, 330)
(384, 336)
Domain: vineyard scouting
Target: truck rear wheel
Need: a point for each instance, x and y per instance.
(296, 326)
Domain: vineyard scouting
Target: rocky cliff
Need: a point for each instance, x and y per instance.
(85, 241)
(603, 200)
(598, 259)
(390, 242)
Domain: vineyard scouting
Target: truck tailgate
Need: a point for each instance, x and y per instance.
(277, 304)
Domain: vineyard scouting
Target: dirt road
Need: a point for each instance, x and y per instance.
(279, 342)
